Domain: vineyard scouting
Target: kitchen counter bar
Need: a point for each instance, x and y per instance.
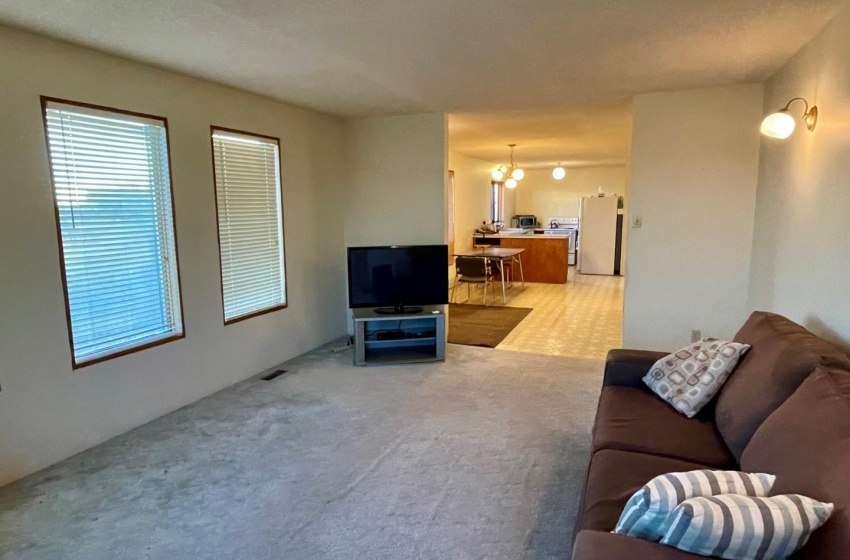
(544, 259)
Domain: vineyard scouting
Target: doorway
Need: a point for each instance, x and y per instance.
(568, 158)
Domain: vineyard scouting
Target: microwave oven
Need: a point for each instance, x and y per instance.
(525, 221)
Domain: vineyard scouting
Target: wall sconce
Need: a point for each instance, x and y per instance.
(781, 124)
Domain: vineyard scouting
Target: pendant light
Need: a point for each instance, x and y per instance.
(559, 173)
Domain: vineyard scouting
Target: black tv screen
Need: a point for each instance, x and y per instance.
(398, 275)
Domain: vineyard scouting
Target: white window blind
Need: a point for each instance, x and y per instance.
(250, 223)
(113, 202)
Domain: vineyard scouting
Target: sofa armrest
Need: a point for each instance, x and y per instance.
(627, 367)
(599, 545)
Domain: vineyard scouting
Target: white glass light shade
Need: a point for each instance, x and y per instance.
(517, 174)
(511, 183)
(778, 125)
(559, 173)
(497, 175)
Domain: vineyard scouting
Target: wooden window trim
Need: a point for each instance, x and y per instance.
(267, 310)
(75, 365)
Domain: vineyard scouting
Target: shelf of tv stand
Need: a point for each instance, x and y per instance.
(427, 343)
(395, 341)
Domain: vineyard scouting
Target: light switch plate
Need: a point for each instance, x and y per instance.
(637, 221)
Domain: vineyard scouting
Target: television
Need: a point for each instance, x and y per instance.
(398, 279)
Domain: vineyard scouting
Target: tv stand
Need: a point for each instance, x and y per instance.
(399, 338)
(399, 310)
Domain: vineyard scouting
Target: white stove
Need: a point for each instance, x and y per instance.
(564, 225)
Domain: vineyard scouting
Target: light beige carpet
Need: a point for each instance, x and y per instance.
(476, 325)
(482, 456)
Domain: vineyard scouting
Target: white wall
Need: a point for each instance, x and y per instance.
(472, 196)
(48, 411)
(396, 180)
(800, 263)
(694, 168)
(539, 194)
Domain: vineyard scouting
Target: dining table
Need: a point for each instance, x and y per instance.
(500, 256)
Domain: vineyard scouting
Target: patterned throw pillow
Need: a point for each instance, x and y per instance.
(646, 511)
(689, 379)
(743, 527)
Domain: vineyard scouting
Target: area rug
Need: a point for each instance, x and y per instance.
(476, 325)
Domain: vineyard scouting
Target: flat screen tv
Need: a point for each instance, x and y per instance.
(398, 279)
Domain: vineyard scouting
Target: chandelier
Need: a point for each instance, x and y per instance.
(508, 174)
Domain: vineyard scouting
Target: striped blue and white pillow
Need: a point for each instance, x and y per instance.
(744, 527)
(647, 510)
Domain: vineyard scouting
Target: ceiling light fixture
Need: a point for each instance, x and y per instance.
(781, 124)
(559, 173)
(510, 174)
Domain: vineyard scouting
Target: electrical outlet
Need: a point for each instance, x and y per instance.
(637, 221)
(696, 335)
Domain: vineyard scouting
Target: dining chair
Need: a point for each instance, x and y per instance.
(472, 270)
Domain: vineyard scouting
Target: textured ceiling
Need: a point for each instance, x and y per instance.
(372, 57)
(597, 134)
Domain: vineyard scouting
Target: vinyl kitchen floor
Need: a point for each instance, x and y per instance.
(582, 318)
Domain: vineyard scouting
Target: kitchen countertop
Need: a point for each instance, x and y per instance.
(521, 236)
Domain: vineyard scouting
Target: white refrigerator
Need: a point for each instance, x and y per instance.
(597, 235)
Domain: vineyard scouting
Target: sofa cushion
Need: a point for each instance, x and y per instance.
(806, 444)
(743, 527)
(632, 419)
(645, 514)
(599, 545)
(689, 378)
(783, 354)
(613, 477)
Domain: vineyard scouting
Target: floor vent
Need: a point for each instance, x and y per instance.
(273, 375)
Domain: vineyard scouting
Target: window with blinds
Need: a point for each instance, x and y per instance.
(497, 202)
(250, 223)
(112, 193)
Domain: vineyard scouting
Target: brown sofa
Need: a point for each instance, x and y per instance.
(784, 411)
